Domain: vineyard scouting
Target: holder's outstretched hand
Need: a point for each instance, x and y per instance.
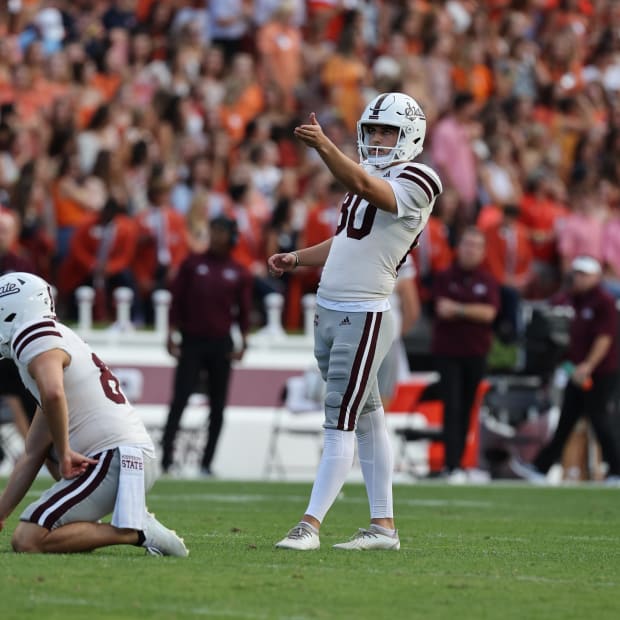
(74, 464)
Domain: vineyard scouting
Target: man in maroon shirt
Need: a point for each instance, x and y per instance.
(466, 300)
(593, 354)
(209, 293)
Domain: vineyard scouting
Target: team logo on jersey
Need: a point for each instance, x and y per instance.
(411, 112)
(345, 321)
(10, 288)
(388, 174)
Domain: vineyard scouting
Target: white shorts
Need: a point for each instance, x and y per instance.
(89, 497)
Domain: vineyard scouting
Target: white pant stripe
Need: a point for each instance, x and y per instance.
(360, 371)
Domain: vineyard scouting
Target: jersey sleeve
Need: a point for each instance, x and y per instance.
(36, 338)
(416, 188)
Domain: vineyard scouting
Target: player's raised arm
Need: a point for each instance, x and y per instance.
(377, 191)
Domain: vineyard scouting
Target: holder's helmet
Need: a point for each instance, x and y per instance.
(24, 297)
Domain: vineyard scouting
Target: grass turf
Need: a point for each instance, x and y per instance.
(492, 551)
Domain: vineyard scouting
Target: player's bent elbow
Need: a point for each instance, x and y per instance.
(52, 399)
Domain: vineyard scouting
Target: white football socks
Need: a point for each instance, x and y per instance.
(335, 465)
(375, 455)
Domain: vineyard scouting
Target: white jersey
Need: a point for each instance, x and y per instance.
(370, 244)
(100, 416)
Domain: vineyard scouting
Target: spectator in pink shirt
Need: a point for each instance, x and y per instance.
(581, 232)
(453, 154)
(611, 254)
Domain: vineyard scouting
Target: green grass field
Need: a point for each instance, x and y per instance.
(492, 551)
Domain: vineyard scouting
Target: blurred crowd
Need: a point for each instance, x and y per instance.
(126, 125)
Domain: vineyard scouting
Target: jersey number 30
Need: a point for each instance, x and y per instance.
(347, 217)
(110, 384)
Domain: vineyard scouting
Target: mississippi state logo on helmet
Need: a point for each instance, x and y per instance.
(24, 297)
(396, 110)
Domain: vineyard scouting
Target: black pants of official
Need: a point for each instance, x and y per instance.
(11, 384)
(592, 404)
(212, 355)
(459, 378)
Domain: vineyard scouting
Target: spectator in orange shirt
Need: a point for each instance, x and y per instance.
(251, 212)
(540, 213)
(434, 251)
(74, 199)
(344, 73)
(243, 98)
(101, 255)
(321, 222)
(279, 49)
(162, 242)
(472, 74)
(509, 260)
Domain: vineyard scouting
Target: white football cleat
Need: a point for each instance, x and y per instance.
(370, 539)
(159, 540)
(301, 538)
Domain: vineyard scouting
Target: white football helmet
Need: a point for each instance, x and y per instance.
(24, 297)
(397, 110)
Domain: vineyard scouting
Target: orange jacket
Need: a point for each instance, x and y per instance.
(68, 211)
(540, 216)
(509, 254)
(432, 255)
(82, 258)
(145, 259)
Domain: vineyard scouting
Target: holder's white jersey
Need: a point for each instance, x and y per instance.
(370, 244)
(100, 416)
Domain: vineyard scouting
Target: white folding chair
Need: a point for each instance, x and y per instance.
(299, 414)
(11, 442)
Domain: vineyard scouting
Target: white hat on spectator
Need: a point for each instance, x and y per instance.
(49, 22)
(586, 264)
(461, 17)
(386, 67)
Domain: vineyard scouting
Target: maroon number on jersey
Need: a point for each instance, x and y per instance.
(110, 384)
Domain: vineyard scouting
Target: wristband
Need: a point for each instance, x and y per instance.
(296, 259)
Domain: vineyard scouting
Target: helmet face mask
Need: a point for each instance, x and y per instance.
(395, 110)
(24, 297)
